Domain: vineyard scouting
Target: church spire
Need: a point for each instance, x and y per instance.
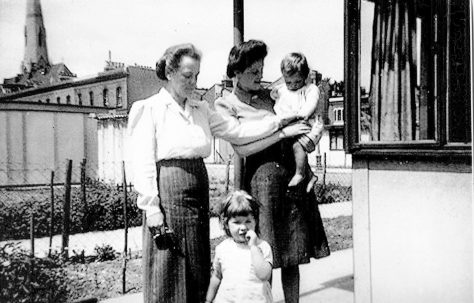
(36, 52)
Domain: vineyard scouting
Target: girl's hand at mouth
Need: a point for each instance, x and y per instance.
(251, 237)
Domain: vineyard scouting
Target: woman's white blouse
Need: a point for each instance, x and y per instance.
(160, 129)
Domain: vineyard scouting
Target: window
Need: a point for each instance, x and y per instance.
(91, 98)
(105, 97)
(68, 99)
(39, 101)
(58, 100)
(118, 95)
(338, 115)
(79, 98)
(414, 58)
(336, 138)
(48, 101)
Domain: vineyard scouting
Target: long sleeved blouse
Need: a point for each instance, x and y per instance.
(160, 129)
(245, 107)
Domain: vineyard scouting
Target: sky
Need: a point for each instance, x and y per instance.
(80, 33)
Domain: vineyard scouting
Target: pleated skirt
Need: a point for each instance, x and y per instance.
(183, 277)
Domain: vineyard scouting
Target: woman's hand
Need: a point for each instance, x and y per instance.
(155, 220)
(285, 120)
(295, 130)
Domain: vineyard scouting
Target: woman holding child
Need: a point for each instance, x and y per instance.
(289, 216)
(170, 134)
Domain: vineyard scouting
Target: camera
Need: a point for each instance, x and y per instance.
(165, 238)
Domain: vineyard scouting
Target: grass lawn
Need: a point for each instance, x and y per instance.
(104, 279)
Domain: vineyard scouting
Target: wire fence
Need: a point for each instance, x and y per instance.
(79, 213)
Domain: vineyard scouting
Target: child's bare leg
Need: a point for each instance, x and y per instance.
(300, 160)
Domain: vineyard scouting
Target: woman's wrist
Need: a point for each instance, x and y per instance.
(281, 134)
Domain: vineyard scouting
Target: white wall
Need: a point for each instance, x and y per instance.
(112, 144)
(413, 231)
(35, 142)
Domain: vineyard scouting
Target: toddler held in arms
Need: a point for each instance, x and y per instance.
(297, 96)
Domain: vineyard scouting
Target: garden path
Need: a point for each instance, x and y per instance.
(115, 238)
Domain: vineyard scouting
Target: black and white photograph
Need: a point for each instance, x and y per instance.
(218, 151)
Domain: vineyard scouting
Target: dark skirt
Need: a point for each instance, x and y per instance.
(172, 276)
(289, 219)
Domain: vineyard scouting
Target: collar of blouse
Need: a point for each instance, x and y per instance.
(170, 101)
(245, 96)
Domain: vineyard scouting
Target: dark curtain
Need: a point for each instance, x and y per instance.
(393, 71)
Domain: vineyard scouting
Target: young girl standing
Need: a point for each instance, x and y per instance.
(242, 265)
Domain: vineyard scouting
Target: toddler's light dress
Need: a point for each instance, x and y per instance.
(239, 283)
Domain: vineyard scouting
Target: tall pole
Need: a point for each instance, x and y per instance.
(238, 21)
(238, 38)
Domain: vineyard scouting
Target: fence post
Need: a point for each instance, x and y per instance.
(67, 210)
(324, 170)
(85, 219)
(51, 216)
(32, 233)
(32, 252)
(124, 268)
(227, 174)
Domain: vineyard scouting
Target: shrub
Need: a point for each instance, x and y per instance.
(105, 253)
(332, 193)
(25, 279)
(103, 211)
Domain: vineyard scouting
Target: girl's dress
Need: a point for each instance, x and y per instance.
(232, 263)
(289, 219)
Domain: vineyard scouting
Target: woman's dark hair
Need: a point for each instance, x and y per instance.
(294, 63)
(170, 60)
(239, 203)
(245, 54)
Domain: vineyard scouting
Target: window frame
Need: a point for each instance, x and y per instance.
(336, 133)
(118, 97)
(105, 97)
(352, 144)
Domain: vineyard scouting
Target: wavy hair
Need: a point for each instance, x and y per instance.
(171, 59)
(245, 54)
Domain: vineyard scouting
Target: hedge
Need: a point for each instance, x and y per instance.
(103, 211)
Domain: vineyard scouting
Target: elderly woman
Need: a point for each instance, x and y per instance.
(289, 218)
(170, 136)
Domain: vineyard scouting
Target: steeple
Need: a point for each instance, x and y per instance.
(36, 52)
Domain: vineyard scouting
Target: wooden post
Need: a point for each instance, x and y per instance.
(85, 219)
(66, 210)
(32, 252)
(227, 174)
(51, 216)
(125, 247)
(238, 38)
(324, 170)
(83, 183)
(32, 233)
